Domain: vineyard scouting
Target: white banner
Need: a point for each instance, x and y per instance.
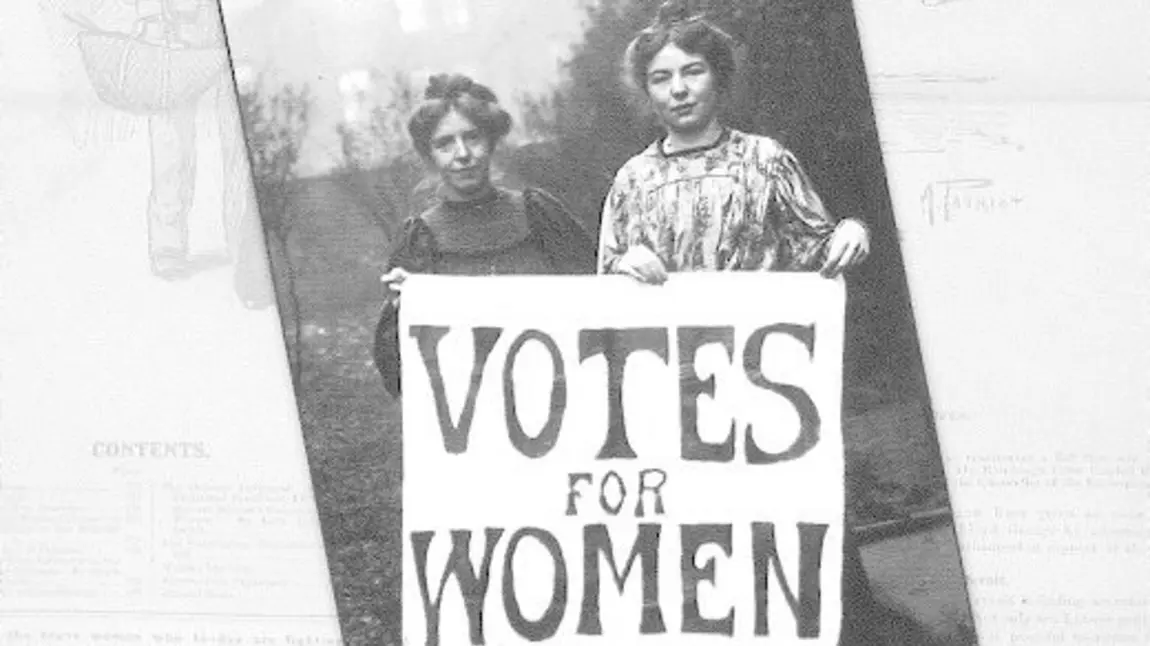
(541, 503)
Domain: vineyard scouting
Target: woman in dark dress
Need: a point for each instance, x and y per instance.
(473, 227)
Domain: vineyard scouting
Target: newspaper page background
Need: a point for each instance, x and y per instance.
(153, 486)
(71, 292)
(1016, 137)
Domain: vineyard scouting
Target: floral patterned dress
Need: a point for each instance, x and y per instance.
(743, 203)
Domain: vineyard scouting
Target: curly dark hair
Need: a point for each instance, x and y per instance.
(447, 92)
(675, 24)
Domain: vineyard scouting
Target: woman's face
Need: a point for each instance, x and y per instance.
(461, 154)
(683, 90)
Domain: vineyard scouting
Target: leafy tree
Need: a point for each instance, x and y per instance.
(591, 123)
(379, 166)
(802, 81)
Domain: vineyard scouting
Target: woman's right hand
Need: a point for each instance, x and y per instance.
(393, 283)
(643, 265)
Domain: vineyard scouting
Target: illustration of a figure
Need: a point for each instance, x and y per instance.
(160, 68)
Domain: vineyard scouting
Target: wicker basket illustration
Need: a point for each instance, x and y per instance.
(134, 75)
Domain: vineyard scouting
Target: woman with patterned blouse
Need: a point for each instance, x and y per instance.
(711, 198)
(707, 197)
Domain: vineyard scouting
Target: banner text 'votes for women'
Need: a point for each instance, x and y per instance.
(591, 459)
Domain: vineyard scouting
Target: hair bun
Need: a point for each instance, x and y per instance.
(449, 87)
(673, 11)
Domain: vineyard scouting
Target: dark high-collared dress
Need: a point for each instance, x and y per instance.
(503, 232)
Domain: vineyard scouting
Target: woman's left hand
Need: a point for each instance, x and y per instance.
(849, 245)
(393, 284)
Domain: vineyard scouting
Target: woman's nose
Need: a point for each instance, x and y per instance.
(462, 150)
(678, 87)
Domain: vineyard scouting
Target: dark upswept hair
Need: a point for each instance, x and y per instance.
(675, 24)
(447, 92)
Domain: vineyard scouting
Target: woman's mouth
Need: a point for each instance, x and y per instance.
(682, 110)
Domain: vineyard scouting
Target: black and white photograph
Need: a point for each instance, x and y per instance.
(621, 137)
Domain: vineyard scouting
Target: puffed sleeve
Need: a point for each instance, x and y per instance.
(613, 224)
(415, 252)
(796, 212)
(567, 243)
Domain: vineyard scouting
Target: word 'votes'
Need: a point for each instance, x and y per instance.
(616, 345)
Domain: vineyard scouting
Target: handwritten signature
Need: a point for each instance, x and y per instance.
(946, 200)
